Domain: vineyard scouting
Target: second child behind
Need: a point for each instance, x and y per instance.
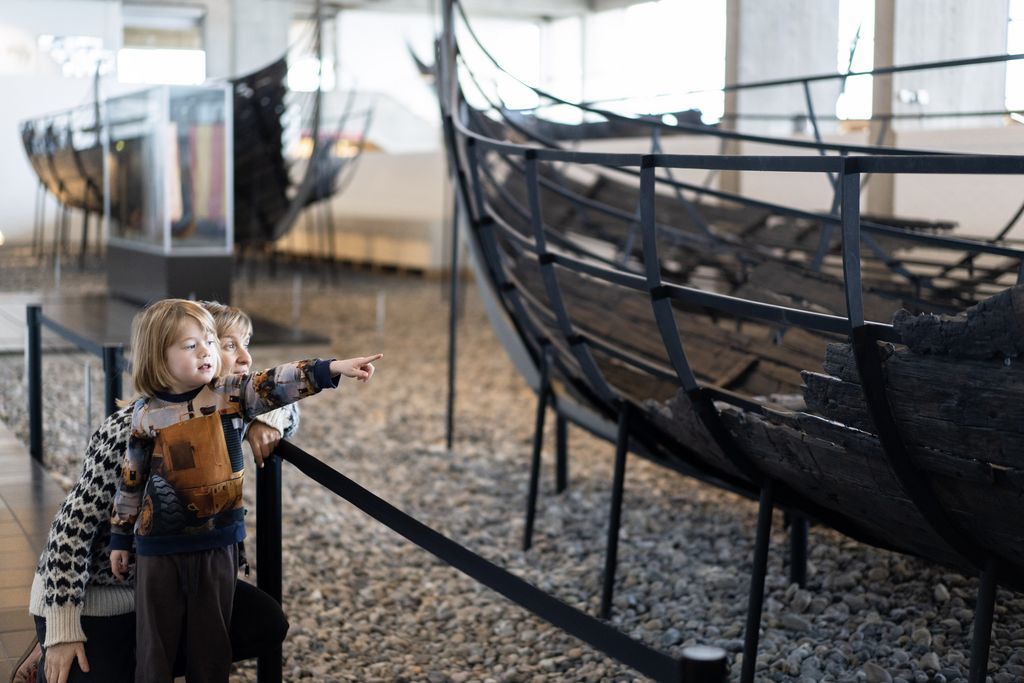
(179, 501)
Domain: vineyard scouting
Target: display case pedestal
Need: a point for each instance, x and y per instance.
(142, 276)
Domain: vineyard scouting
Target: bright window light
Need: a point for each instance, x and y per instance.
(855, 52)
(1015, 45)
(77, 56)
(623, 44)
(303, 76)
(161, 66)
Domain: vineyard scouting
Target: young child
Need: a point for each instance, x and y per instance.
(179, 498)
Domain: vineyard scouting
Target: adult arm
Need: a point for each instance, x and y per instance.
(65, 565)
(267, 430)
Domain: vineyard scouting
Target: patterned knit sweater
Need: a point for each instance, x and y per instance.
(73, 577)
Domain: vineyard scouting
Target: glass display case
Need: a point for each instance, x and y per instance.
(170, 190)
(170, 170)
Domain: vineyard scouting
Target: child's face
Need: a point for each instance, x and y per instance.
(234, 353)
(190, 357)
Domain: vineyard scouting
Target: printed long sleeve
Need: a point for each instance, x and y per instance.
(132, 483)
(263, 391)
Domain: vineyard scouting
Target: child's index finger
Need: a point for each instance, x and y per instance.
(376, 356)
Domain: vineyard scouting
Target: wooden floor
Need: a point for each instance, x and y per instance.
(29, 498)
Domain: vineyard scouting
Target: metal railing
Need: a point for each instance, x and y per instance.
(694, 664)
(112, 356)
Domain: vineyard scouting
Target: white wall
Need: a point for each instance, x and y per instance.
(32, 86)
(981, 204)
(933, 30)
(392, 213)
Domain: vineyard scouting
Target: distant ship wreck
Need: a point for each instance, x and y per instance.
(66, 152)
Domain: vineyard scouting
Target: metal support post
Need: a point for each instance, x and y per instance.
(87, 386)
(760, 569)
(268, 555)
(981, 639)
(798, 549)
(543, 393)
(615, 518)
(453, 319)
(84, 246)
(561, 454)
(704, 664)
(34, 378)
(113, 363)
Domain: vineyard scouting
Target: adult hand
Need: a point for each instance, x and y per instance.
(360, 368)
(119, 563)
(263, 439)
(60, 658)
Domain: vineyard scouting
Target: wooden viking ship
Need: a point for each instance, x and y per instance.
(860, 370)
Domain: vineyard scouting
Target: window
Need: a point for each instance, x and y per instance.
(1015, 45)
(162, 44)
(855, 52)
(77, 56)
(658, 57)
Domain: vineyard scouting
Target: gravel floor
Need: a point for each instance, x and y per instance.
(365, 605)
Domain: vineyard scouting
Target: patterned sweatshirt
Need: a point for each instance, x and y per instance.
(73, 577)
(181, 481)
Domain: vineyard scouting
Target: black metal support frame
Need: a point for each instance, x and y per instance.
(615, 516)
(543, 395)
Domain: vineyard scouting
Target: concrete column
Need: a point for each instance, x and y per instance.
(259, 33)
(933, 30)
(729, 181)
(880, 191)
(217, 39)
(784, 39)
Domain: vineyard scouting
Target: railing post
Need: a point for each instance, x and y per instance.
(268, 555)
(798, 549)
(615, 515)
(34, 378)
(543, 395)
(704, 664)
(561, 454)
(113, 363)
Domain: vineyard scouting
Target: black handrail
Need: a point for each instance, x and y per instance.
(697, 665)
(112, 356)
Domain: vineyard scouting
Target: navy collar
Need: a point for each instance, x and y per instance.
(179, 398)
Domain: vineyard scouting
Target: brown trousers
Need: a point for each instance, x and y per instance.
(184, 596)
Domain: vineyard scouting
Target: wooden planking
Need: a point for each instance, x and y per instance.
(939, 403)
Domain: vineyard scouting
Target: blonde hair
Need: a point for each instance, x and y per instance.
(154, 329)
(228, 318)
